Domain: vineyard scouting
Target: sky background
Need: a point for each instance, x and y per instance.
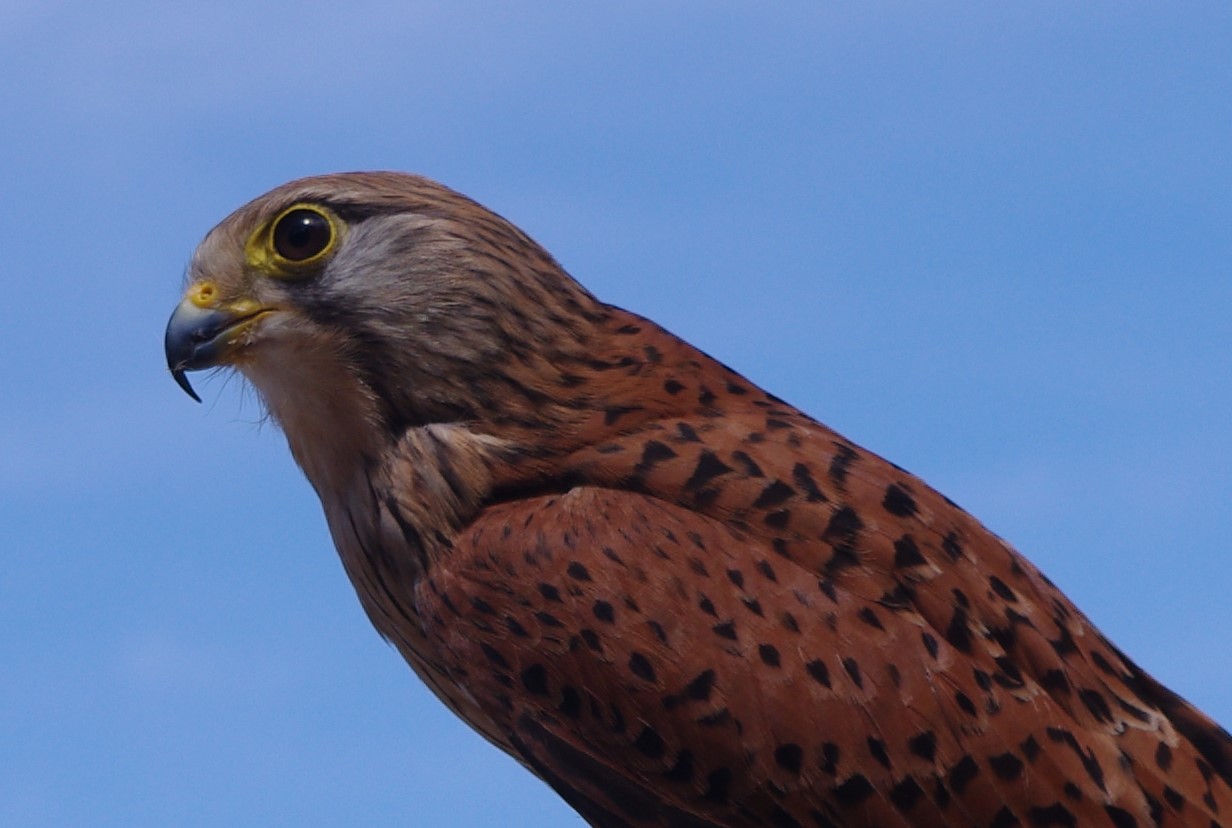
(992, 242)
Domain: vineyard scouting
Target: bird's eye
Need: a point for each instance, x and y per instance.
(302, 234)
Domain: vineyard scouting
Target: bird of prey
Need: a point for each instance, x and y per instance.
(676, 598)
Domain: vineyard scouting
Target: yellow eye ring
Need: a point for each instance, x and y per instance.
(300, 236)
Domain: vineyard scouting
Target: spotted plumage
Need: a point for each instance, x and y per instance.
(676, 598)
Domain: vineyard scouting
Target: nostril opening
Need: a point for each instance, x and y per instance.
(203, 294)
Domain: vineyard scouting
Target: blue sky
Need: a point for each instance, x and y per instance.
(992, 242)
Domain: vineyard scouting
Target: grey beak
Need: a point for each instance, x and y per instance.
(195, 340)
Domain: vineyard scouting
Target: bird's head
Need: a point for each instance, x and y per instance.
(372, 302)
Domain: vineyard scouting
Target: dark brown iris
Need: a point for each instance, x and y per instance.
(302, 234)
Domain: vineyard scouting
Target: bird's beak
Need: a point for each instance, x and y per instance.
(204, 334)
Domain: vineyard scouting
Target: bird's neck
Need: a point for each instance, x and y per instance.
(638, 378)
(635, 377)
(331, 422)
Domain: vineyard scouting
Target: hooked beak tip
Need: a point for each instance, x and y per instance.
(181, 379)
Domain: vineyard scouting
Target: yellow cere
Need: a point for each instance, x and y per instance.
(203, 294)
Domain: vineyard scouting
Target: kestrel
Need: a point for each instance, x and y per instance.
(676, 598)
